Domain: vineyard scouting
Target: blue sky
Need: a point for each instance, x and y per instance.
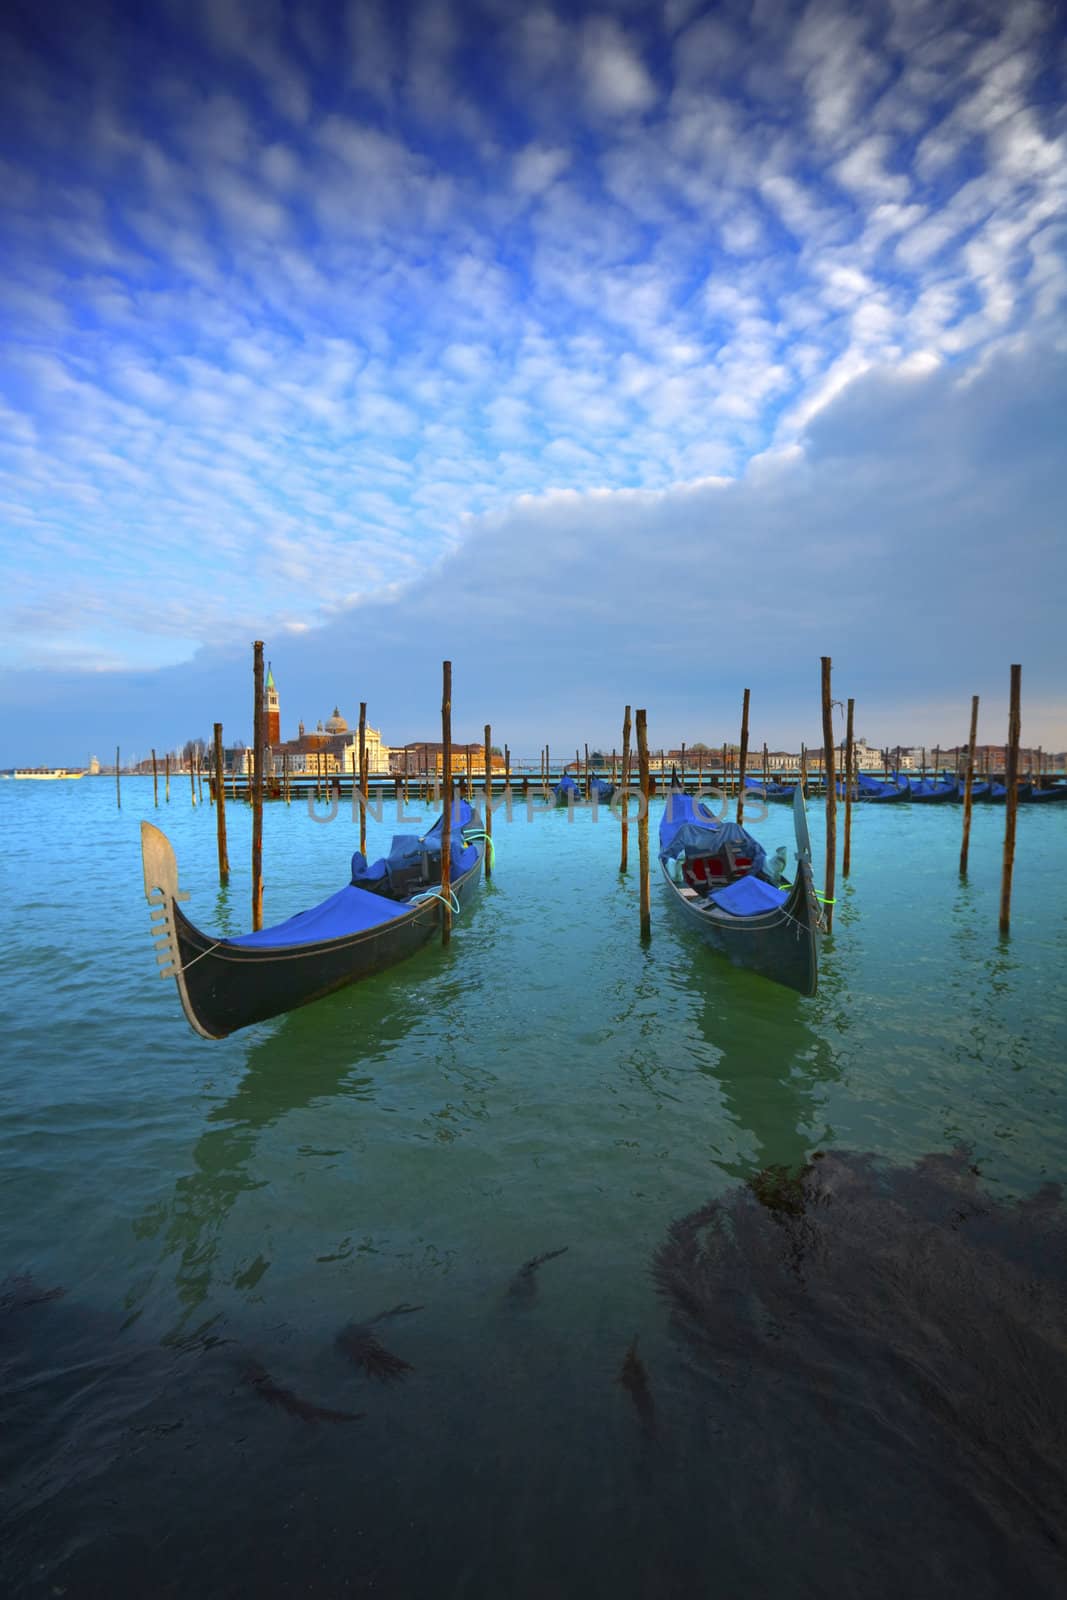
(620, 353)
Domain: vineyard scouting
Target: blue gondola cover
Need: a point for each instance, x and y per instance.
(748, 896)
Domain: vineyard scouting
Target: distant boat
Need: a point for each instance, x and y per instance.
(1057, 795)
(926, 791)
(727, 892)
(770, 790)
(879, 791)
(45, 774)
(385, 913)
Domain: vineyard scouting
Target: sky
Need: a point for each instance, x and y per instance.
(622, 353)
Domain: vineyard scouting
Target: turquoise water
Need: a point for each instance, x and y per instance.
(546, 1082)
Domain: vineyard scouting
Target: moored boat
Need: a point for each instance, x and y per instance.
(733, 897)
(602, 790)
(567, 791)
(384, 914)
(927, 791)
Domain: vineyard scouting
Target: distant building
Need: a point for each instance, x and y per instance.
(427, 756)
(332, 748)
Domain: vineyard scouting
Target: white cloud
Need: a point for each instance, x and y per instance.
(538, 166)
(616, 79)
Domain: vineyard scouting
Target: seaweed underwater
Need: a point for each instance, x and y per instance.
(895, 1335)
(365, 1350)
(254, 1373)
(523, 1286)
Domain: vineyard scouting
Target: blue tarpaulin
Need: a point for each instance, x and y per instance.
(355, 908)
(350, 910)
(748, 896)
(688, 825)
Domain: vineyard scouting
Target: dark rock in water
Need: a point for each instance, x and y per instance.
(886, 1345)
(633, 1376)
(255, 1374)
(364, 1349)
(523, 1286)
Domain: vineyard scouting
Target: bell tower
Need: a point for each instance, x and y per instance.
(274, 716)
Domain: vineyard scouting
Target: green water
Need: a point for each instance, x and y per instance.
(545, 1082)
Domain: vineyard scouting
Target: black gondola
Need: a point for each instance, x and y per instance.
(384, 914)
(726, 890)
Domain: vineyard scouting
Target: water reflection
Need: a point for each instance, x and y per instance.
(315, 1054)
(768, 1056)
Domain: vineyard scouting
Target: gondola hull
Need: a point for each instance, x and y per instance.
(778, 944)
(225, 986)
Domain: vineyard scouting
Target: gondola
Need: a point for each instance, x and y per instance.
(727, 891)
(926, 791)
(567, 791)
(1057, 795)
(876, 791)
(770, 790)
(998, 794)
(602, 790)
(385, 912)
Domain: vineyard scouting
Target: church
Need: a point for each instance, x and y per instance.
(332, 747)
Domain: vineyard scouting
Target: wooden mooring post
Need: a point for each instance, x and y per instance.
(257, 785)
(155, 781)
(166, 777)
(803, 772)
(742, 762)
(220, 808)
(362, 778)
(1011, 797)
(192, 775)
(488, 803)
(968, 786)
(831, 793)
(850, 756)
(642, 824)
(446, 816)
(624, 818)
(118, 780)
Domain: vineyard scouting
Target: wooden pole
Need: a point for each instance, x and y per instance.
(831, 792)
(363, 797)
(850, 756)
(488, 804)
(803, 772)
(507, 776)
(1011, 798)
(968, 783)
(446, 822)
(765, 771)
(642, 825)
(166, 777)
(683, 768)
(118, 780)
(192, 776)
(937, 763)
(624, 817)
(725, 785)
(257, 785)
(220, 808)
(155, 781)
(743, 760)
(588, 792)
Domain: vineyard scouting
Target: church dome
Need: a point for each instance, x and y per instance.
(336, 723)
